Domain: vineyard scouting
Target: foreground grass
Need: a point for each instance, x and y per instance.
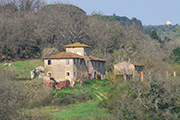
(88, 110)
(84, 109)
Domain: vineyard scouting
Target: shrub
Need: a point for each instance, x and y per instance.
(158, 99)
(11, 95)
(36, 94)
(98, 76)
(68, 98)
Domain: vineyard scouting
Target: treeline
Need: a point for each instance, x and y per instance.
(166, 32)
(32, 29)
(29, 28)
(124, 21)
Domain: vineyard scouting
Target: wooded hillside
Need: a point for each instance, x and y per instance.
(32, 29)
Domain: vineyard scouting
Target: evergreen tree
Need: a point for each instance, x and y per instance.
(175, 55)
(154, 35)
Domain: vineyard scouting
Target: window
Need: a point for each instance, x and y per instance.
(67, 62)
(67, 74)
(49, 62)
(75, 60)
(98, 63)
(80, 62)
(103, 64)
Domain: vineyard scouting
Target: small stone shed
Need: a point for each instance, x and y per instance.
(128, 70)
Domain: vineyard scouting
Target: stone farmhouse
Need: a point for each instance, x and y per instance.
(128, 70)
(74, 64)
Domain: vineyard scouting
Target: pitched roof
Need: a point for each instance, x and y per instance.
(77, 44)
(96, 59)
(64, 55)
(136, 64)
(126, 63)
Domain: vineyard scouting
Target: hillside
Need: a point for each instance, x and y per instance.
(124, 21)
(166, 32)
(39, 102)
(33, 31)
(96, 99)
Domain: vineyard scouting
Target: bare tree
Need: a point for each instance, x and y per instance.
(157, 99)
(11, 95)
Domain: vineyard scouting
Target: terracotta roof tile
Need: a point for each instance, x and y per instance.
(64, 55)
(96, 59)
(77, 44)
(126, 63)
(136, 64)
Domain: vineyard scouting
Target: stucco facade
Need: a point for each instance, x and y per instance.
(74, 64)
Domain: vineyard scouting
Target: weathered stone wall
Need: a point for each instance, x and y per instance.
(80, 70)
(59, 69)
(124, 68)
(99, 67)
(77, 50)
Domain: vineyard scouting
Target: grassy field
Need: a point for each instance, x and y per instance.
(88, 110)
(78, 110)
(23, 68)
(83, 100)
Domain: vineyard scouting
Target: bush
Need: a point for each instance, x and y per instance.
(11, 95)
(36, 94)
(68, 98)
(158, 99)
(98, 76)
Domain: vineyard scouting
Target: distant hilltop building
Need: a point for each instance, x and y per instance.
(168, 22)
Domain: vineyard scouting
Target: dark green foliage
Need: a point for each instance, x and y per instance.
(99, 77)
(63, 7)
(166, 32)
(177, 31)
(124, 21)
(175, 56)
(154, 35)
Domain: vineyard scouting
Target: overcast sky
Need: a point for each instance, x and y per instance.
(150, 12)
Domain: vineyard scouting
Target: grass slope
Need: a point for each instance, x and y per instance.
(88, 109)
(23, 68)
(80, 109)
(84, 110)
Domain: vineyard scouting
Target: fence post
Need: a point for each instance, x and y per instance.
(174, 73)
(133, 75)
(142, 76)
(149, 76)
(167, 75)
